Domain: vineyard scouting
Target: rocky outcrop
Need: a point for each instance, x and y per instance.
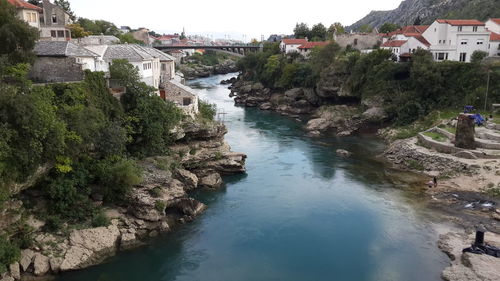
(194, 70)
(427, 11)
(344, 120)
(467, 266)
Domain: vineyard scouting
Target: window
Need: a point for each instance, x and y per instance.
(439, 41)
(164, 66)
(355, 42)
(186, 101)
(474, 28)
(463, 57)
(32, 17)
(60, 33)
(459, 28)
(463, 42)
(54, 18)
(480, 42)
(53, 34)
(67, 34)
(441, 56)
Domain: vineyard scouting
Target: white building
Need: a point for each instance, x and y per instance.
(456, 40)
(291, 45)
(305, 49)
(403, 49)
(493, 26)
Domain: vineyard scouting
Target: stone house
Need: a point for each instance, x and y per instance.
(493, 26)
(359, 41)
(61, 62)
(291, 45)
(456, 40)
(54, 23)
(182, 96)
(27, 12)
(96, 40)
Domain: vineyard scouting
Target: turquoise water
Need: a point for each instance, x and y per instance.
(300, 213)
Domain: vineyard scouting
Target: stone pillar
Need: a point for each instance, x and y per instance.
(464, 137)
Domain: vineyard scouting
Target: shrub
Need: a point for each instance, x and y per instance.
(155, 192)
(160, 206)
(117, 177)
(9, 253)
(207, 110)
(100, 219)
(53, 223)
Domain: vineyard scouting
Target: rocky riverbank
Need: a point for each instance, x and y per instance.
(326, 108)
(159, 203)
(195, 70)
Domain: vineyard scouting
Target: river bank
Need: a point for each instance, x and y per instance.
(460, 194)
(159, 204)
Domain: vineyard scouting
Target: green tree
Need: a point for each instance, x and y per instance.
(66, 6)
(418, 21)
(301, 30)
(366, 28)
(335, 28)
(388, 27)
(129, 38)
(318, 32)
(17, 38)
(34, 2)
(478, 56)
(77, 31)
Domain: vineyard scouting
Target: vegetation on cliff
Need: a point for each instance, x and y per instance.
(409, 90)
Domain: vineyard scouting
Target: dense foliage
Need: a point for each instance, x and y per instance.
(410, 90)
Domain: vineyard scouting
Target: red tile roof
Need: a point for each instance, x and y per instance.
(20, 4)
(408, 31)
(394, 43)
(462, 22)
(422, 40)
(294, 41)
(497, 21)
(494, 36)
(310, 45)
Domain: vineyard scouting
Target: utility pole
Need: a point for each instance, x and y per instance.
(487, 90)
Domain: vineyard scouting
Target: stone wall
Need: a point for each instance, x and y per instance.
(56, 69)
(358, 41)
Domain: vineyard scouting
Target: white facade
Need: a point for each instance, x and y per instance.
(456, 40)
(493, 25)
(402, 48)
(291, 45)
(30, 16)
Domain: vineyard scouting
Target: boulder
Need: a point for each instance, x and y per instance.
(90, 247)
(343, 153)
(213, 180)
(464, 137)
(55, 264)
(257, 86)
(129, 241)
(375, 114)
(15, 270)
(266, 106)
(41, 264)
(311, 97)
(189, 179)
(8, 278)
(294, 94)
(318, 124)
(26, 259)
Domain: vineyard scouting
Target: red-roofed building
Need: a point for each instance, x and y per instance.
(456, 40)
(493, 25)
(27, 12)
(494, 45)
(305, 49)
(403, 49)
(291, 45)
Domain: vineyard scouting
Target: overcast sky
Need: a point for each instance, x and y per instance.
(251, 18)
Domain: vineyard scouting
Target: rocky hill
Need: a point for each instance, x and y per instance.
(429, 10)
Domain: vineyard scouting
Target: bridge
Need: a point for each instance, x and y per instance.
(236, 49)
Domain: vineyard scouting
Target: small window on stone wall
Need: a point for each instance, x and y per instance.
(54, 18)
(186, 101)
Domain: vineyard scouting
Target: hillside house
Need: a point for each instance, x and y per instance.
(291, 45)
(358, 41)
(53, 23)
(456, 40)
(403, 49)
(27, 12)
(493, 26)
(305, 49)
(61, 62)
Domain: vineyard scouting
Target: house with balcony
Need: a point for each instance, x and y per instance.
(405, 41)
(27, 12)
(456, 40)
(493, 26)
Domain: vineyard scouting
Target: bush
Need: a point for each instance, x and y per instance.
(207, 110)
(117, 177)
(100, 219)
(53, 223)
(9, 253)
(160, 206)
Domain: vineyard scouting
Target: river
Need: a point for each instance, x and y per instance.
(299, 213)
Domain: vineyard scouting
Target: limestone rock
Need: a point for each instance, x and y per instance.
(266, 106)
(55, 264)
(26, 259)
(41, 264)
(90, 246)
(375, 114)
(129, 241)
(189, 179)
(15, 270)
(213, 180)
(7, 278)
